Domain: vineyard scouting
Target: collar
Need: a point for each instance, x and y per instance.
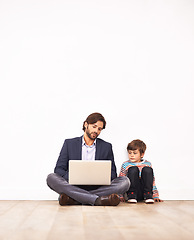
(84, 143)
(142, 161)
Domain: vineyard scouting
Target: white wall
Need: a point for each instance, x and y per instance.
(132, 61)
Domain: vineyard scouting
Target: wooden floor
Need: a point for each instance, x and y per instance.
(46, 220)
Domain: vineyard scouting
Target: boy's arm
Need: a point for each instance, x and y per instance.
(155, 192)
(123, 171)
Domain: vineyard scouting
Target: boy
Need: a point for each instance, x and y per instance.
(140, 173)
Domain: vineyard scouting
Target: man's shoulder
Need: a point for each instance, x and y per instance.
(79, 139)
(101, 141)
(72, 140)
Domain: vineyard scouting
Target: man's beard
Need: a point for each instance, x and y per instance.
(90, 135)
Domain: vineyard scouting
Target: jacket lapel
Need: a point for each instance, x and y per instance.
(79, 148)
(98, 146)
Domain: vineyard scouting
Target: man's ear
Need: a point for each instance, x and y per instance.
(85, 124)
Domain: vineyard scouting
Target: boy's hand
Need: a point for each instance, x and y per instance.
(158, 200)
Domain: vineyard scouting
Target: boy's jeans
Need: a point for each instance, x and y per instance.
(140, 186)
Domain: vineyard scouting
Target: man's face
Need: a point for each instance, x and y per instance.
(93, 130)
(135, 156)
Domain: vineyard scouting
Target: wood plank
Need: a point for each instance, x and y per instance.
(6, 206)
(14, 215)
(143, 221)
(99, 225)
(38, 223)
(68, 224)
(180, 212)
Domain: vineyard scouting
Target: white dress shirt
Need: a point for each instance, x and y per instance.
(88, 152)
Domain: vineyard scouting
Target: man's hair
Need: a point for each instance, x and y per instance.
(137, 144)
(93, 118)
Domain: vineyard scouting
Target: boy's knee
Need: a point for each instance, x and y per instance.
(133, 170)
(147, 170)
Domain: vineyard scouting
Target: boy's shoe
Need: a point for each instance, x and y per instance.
(131, 197)
(148, 197)
(132, 200)
(149, 201)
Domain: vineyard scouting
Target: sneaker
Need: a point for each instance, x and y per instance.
(149, 201)
(148, 197)
(131, 196)
(132, 200)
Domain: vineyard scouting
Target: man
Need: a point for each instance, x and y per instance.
(87, 147)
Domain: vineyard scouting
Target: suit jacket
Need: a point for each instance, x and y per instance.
(72, 150)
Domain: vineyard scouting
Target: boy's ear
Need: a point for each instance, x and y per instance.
(142, 155)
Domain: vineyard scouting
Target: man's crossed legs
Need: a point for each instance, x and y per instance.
(88, 195)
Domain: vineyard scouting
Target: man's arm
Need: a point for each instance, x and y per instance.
(62, 162)
(104, 151)
(113, 169)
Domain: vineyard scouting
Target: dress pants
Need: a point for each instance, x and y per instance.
(87, 194)
(140, 185)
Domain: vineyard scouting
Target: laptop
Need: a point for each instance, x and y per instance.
(84, 172)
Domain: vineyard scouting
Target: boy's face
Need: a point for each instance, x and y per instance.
(135, 156)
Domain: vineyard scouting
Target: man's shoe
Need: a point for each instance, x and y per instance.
(111, 200)
(66, 200)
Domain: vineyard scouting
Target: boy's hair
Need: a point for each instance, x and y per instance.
(93, 118)
(137, 144)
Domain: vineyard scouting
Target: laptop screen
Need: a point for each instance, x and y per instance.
(84, 172)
